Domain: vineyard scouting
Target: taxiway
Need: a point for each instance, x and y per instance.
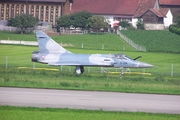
(91, 100)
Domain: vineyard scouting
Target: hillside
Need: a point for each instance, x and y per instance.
(86, 41)
(155, 40)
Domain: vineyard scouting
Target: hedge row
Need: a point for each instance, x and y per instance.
(174, 29)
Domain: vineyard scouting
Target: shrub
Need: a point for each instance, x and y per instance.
(140, 25)
(124, 24)
(174, 29)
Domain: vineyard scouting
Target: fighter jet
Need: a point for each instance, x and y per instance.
(52, 53)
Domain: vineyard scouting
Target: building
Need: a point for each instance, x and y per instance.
(112, 10)
(153, 16)
(155, 13)
(44, 10)
(173, 5)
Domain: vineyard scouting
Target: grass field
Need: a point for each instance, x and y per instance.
(159, 82)
(29, 113)
(20, 56)
(7, 35)
(154, 40)
(89, 41)
(93, 81)
(164, 79)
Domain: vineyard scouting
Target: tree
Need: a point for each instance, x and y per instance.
(97, 22)
(77, 20)
(23, 22)
(140, 25)
(178, 21)
(124, 24)
(175, 28)
(80, 19)
(64, 21)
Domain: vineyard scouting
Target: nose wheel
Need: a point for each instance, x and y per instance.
(123, 70)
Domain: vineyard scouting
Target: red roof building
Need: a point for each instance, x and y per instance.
(114, 10)
(169, 2)
(143, 6)
(106, 7)
(158, 13)
(153, 15)
(174, 6)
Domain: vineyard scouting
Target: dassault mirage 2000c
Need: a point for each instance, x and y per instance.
(52, 53)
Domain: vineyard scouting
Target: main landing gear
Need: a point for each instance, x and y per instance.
(79, 70)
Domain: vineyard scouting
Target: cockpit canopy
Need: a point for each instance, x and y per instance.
(123, 56)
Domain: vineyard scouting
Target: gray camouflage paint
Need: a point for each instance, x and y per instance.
(52, 53)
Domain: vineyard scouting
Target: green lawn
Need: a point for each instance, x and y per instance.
(164, 79)
(7, 35)
(155, 40)
(20, 56)
(159, 82)
(23, 113)
(93, 81)
(87, 41)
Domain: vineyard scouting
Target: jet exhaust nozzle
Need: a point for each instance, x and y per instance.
(34, 57)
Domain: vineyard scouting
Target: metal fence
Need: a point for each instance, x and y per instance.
(130, 42)
(160, 69)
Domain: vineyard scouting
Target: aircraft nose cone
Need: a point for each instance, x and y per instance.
(144, 65)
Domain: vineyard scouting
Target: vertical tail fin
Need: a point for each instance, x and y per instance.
(46, 43)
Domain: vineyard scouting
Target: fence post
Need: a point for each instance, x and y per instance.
(143, 71)
(172, 66)
(102, 46)
(69, 69)
(88, 69)
(34, 65)
(82, 46)
(124, 48)
(61, 68)
(6, 61)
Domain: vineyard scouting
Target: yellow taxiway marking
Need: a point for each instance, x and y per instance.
(130, 73)
(133, 73)
(39, 68)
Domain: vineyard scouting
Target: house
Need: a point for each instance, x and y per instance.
(154, 17)
(173, 5)
(113, 10)
(163, 11)
(151, 12)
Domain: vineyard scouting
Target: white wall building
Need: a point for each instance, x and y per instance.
(168, 20)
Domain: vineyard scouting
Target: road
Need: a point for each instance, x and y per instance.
(91, 100)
